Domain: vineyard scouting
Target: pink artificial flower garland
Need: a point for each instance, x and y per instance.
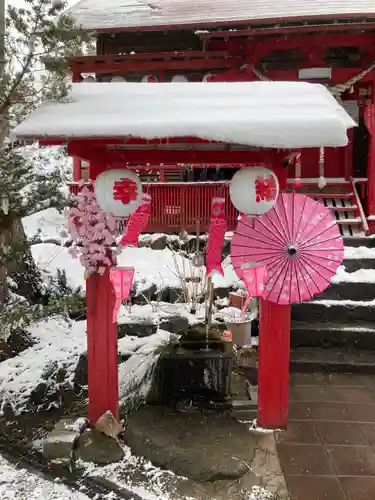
(94, 233)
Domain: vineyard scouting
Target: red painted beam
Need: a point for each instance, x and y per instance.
(101, 347)
(290, 30)
(149, 56)
(117, 159)
(136, 66)
(306, 44)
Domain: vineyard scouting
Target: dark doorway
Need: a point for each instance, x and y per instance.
(360, 148)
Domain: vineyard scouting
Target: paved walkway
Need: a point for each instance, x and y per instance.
(328, 450)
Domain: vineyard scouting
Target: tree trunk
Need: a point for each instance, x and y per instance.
(20, 267)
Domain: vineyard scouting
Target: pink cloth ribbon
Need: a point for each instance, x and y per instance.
(218, 227)
(253, 278)
(122, 281)
(137, 222)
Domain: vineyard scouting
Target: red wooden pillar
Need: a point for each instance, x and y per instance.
(76, 169)
(76, 78)
(101, 347)
(370, 124)
(274, 356)
(274, 352)
(348, 156)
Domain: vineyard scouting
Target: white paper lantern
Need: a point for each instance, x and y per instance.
(179, 79)
(118, 79)
(209, 77)
(149, 79)
(254, 190)
(118, 191)
(89, 79)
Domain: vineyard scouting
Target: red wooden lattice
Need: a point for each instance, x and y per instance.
(176, 207)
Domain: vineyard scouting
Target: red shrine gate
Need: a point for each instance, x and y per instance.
(73, 122)
(274, 352)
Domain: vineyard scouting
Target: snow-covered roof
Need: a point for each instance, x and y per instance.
(99, 14)
(262, 114)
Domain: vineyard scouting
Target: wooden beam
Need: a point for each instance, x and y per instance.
(357, 27)
(163, 61)
(322, 41)
(150, 56)
(100, 159)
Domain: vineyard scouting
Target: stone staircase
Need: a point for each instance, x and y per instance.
(336, 331)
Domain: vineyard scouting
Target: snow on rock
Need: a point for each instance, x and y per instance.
(45, 225)
(156, 311)
(20, 484)
(163, 268)
(56, 341)
(50, 257)
(139, 475)
(135, 373)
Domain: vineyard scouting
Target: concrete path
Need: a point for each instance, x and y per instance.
(328, 450)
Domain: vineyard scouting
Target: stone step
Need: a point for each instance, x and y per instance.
(348, 291)
(359, 335)
(342, 312)
(245, 415)
(352, 265)
(359, 241)
(314, 360)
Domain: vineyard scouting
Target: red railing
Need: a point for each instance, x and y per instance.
(357, 200)
(182, 206)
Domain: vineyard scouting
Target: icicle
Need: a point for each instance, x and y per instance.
(322, 181)
(297, 172)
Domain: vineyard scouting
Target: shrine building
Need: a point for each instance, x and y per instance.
(332, 43)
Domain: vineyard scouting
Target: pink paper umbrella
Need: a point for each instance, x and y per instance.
(299, 243)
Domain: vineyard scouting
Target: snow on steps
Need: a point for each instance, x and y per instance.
(359, 335)
(332, 360)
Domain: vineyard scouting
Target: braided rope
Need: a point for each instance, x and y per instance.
(338, 90)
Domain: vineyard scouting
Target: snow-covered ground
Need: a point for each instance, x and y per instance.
(162, 268)
(46, 225)
(19, 484)
(57, 341)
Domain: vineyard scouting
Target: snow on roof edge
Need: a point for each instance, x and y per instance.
(263, 114)
(125, 15)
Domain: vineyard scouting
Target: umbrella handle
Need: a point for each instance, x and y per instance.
(246, 303)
